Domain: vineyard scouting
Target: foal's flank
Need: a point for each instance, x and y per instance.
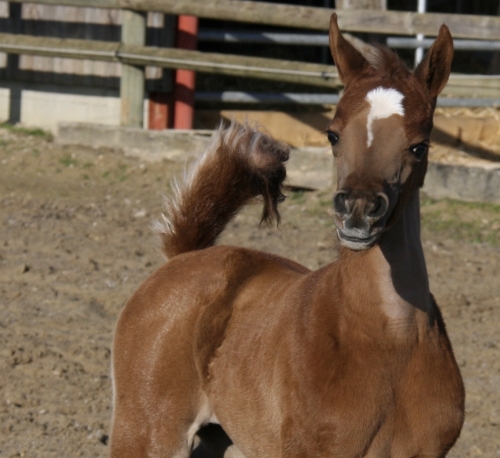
(261, 357)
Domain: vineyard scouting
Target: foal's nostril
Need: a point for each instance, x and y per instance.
(380, 206)
(339, 203)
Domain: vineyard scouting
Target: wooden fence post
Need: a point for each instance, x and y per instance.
(132, 77)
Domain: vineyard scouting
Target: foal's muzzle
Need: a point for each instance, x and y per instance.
(360, 217)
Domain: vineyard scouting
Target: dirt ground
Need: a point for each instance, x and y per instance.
(75, 242)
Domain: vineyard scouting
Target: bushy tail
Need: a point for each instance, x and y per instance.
(240, 164)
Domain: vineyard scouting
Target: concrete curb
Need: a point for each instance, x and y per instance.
(479, 183)
(149, 145)
(310, 168)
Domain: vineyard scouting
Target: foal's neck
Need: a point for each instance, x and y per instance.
(394, 272)
(401, 248)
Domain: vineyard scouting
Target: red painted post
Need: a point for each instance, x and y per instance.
(160, 110)
(187, 30)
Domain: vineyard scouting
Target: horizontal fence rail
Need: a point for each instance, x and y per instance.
(264, 97)
(225, 64)
(370, 21)
(480, 86)
(298, 39)
(319, 99)
(304, 39)
(459, 45)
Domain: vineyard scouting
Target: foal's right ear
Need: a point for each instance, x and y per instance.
(347, 58)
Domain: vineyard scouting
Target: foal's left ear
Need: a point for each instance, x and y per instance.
(434, 70)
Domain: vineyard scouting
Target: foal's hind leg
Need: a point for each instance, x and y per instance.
(132, 440)
(158, 402)
(160, 430)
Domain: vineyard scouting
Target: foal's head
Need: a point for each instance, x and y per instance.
(380, 133)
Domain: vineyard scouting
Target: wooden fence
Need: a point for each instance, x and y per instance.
(386, 22)
(134, 55)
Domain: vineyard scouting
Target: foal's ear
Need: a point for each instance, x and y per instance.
(435, 68)
(347, 58)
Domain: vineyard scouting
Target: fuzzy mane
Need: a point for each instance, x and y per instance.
(386, 61)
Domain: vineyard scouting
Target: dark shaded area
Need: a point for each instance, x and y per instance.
(314, 54)
(213, 442)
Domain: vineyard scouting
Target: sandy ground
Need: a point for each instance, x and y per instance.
(75, 243)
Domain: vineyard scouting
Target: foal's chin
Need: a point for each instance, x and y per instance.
(357, 243)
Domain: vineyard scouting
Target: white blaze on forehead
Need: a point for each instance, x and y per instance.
(383, 103)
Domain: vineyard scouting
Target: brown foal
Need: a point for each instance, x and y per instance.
(351, 360)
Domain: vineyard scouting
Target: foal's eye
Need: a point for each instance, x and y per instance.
(333, 138)
(419, 150)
